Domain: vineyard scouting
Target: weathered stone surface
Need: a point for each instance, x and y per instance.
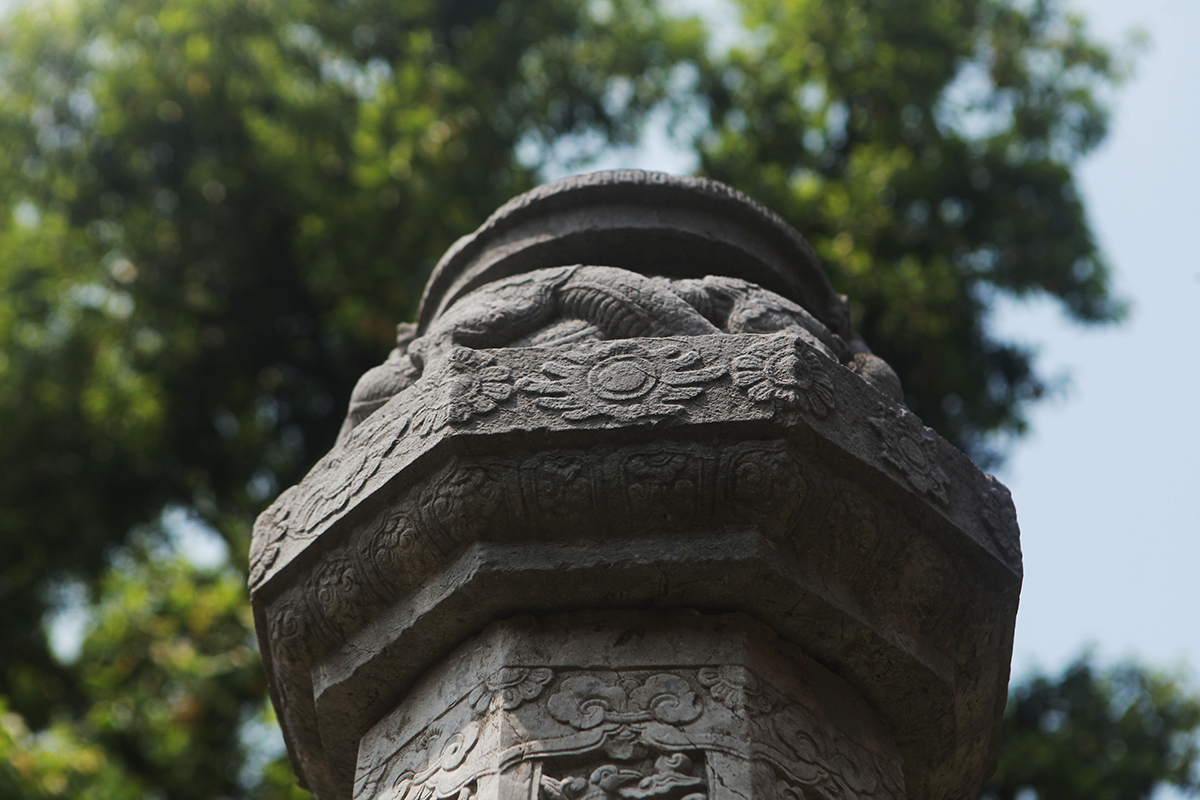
(632, 705)
(585, 437)
(581, 305)
(646, 222)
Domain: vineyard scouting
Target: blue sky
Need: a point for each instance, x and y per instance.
(1108, 485)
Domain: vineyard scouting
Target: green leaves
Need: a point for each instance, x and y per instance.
(926, 149)
(172, 671)
(218, 212)
(1102, 734)
(55, 763)
(167, 680)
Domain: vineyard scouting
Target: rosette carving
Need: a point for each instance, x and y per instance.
(911, 448)
(470, 384)
(782, 371)
(737, 689)
(625, 381)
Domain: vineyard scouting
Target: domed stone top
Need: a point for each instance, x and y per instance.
(646, 222)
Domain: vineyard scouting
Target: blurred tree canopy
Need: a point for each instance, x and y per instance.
(1115, 734)
(215, 211)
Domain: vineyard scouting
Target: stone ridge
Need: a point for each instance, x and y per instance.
(580, 190)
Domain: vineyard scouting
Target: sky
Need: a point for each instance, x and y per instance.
(1107, 484)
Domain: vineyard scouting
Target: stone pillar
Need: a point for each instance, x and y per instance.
(631, 513)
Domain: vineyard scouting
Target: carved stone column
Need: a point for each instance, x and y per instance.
(630, 512)
(630, 705)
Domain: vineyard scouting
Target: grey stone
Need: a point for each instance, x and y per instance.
(577, 305)
(646, 222)
(646, 434)
(681, 705)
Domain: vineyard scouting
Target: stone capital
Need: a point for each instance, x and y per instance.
(561, 450)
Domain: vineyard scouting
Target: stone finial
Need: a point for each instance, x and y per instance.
(630, 512)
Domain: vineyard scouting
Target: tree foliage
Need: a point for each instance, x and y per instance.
(215, 211)
(926, 148)
(169, 676)
(1092, 734)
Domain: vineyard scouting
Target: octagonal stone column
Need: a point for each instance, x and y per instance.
(630, 512)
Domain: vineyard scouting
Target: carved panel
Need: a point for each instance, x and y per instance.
(1000, 521)
(685, 380)
(629, 735)
(911, 448)
(420, 528)
(858, 518)
(665, 482)
(562, 484)
(395, 548)
(339, 592)
(780, 370)
(626, 381)
(289, 628)
(344, 473)
(674, 776)
(465, 498)
(766, 482)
